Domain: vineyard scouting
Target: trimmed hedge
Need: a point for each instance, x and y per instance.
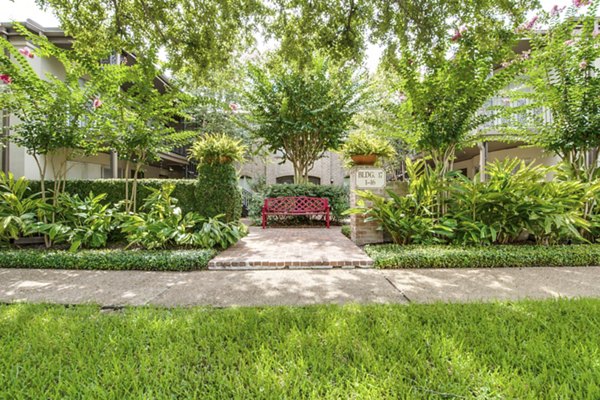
(218, 191)
(185, 190)
(338, 197)
(163, 260)
(391, 256)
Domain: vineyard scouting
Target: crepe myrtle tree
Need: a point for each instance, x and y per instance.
(57, 119)
(440, 100)
(144, 118)
(302, 112)
(563, 89)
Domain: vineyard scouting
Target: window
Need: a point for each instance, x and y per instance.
(290, 179)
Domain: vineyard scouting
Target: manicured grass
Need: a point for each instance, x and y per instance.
(524, 350)
(161, 260)
(395, 256)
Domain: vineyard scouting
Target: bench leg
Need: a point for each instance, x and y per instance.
(327, 219)
(264, 220)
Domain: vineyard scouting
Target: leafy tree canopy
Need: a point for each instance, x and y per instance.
(302, 113)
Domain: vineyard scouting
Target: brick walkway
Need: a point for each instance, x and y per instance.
(293, 248)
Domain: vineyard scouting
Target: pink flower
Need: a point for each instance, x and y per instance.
(402, 97)
(530, 23)
(583, 64)
(97, 103)
(554, 10)
(569, 42)
(26, 52)
(596, 32)
(459, 33)
(580, 3)
(525, 55)
(505, 64)
(234, 107)
(4, 78)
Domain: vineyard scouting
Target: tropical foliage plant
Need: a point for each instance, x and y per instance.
(364, 143)
(217, 149)
(514, 203)
(160, 224)
(19, 208)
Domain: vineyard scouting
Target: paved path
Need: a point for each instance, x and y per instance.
(280, 248)
(294, 287)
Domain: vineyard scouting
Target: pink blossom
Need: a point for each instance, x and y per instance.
(402, 97)
(530, 24)
(97, 103)
(505, 64)
(525, 55)
(234, 107)
(554, 10)
(462, 29)
(569, 42)
(457, 35)
(4, 78)
(583, 64)
(26, 52)
(580, 3)
(596, 32)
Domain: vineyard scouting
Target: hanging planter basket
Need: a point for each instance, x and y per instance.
(365, 159)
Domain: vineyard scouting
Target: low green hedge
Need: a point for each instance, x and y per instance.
(185, 190)
(218, 191)
(338, 197)
(163, 260)
(395, 256)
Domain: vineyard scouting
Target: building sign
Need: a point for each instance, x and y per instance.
(370, 178)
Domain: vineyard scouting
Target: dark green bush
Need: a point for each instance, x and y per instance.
(217, 192)
(164, 260)
(185, 190)
(337, 196)
(395, 256)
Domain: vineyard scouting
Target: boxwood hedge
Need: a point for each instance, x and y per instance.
(163, 260)
(185, 190)
(395, 256)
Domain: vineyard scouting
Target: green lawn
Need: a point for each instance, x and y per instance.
(437, 256)
(548, 349)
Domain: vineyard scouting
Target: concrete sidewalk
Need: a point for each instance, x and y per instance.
(294, 287)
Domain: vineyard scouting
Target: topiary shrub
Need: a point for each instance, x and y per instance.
(217, 192)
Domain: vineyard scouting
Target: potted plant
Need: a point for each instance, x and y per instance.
(362, 148)
(217, 149)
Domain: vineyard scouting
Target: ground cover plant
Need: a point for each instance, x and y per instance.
(525, 350)
(438, 256)
(111, 259)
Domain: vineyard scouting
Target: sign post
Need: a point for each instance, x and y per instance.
(374, 180)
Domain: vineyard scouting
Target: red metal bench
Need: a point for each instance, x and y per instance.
(294, 206)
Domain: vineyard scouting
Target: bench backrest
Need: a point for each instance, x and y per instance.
(300, 204)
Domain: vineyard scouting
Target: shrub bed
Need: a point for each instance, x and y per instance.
(395, 256)
(163, 260)
(338, 197)
(184, 191)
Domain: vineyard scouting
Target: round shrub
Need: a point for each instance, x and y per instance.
(218, 192)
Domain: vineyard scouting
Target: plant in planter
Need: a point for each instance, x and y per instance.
(362, 148)
(218, 192)
(217, 149)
